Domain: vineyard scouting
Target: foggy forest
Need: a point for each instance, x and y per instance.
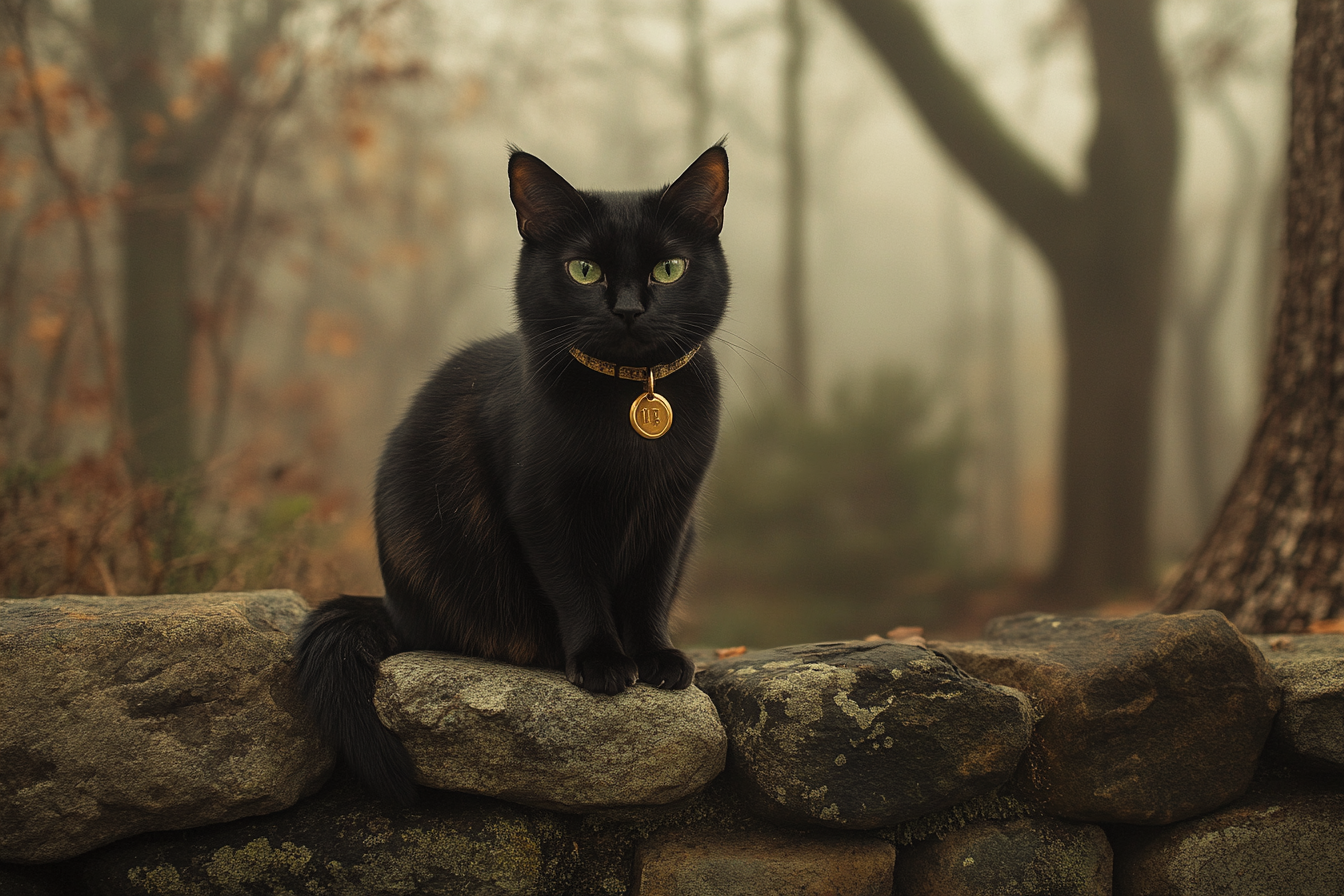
(1004, 277)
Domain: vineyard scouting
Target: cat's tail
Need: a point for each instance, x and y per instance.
(337, 653)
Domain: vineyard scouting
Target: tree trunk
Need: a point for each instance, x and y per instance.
(697, 76)
(1108, 424)
(1274, 559)
(1106, 248)
(155, 238)
(1000, 461)
(793, 287)
(163, 155)
(156, 343)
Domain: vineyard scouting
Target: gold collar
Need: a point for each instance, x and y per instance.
(639, 374)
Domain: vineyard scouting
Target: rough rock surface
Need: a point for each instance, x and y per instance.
(127, 714)
(862, 734)
(532, 737)
(344, 844)
(341, 843)
(1282, 838)
(1310, 669)
(1146, 720)
(1022, 857)
(761, 864)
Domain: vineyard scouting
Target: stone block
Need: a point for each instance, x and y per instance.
(1282, 839)
(763, 864)
(1021, 857)
(1146, 720)
(862, 734)
(1310, 669)
(127, 714)
(341, 842)
(532, 737)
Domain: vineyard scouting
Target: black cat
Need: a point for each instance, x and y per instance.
(535, 505)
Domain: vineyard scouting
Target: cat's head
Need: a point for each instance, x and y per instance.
(633, 278)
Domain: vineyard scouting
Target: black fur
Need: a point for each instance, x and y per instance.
(519, 515)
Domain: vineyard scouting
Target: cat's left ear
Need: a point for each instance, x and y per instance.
(543, 199)
(701, 191)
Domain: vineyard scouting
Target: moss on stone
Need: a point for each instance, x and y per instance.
(993, 806)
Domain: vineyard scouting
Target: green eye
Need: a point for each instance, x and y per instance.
(669, 270)
(584, 271)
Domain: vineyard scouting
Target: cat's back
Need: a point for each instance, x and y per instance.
(447, 420)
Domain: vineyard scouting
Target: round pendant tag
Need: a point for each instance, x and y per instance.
(651, 415)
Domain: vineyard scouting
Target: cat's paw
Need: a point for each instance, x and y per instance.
(667, 668)
(602, 671)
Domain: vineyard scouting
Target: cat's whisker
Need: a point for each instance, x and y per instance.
(743, 351)
(738, 385)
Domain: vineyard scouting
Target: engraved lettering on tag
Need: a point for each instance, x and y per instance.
(651, 415)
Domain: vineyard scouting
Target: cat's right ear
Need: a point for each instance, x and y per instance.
(544, 200)
(701, 191)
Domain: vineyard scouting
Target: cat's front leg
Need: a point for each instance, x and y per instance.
(594, 659)
(644, 604)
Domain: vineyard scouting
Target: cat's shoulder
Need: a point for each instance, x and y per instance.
(495, 351)
(472, 370)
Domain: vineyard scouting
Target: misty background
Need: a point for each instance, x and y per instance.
(893, 354)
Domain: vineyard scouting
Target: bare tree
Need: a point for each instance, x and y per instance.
(1105, 244)
(168, 140)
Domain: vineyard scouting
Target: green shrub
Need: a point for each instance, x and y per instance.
(842, 519)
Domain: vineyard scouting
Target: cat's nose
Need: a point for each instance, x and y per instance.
(628, 305)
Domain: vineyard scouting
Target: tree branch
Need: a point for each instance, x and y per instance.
(966, 127)
(225, 356)
(204, 140)
(17, 13)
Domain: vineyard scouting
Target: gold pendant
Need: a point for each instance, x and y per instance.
(651, 415)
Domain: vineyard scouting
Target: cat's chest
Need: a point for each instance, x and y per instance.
(590, 453)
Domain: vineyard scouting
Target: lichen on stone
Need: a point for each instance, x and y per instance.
(257, 862)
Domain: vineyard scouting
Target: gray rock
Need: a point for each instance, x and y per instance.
(1146, 720)
(532, 737)
(1282, 838)
(1022, 857)
(342, 843)
(127, 714)
(861, 734)
(763, 864)
(1310, 669)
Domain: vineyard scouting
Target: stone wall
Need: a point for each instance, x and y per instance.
(156, 746)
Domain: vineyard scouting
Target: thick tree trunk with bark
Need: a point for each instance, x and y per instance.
(1274, 559)
(1106, 247)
